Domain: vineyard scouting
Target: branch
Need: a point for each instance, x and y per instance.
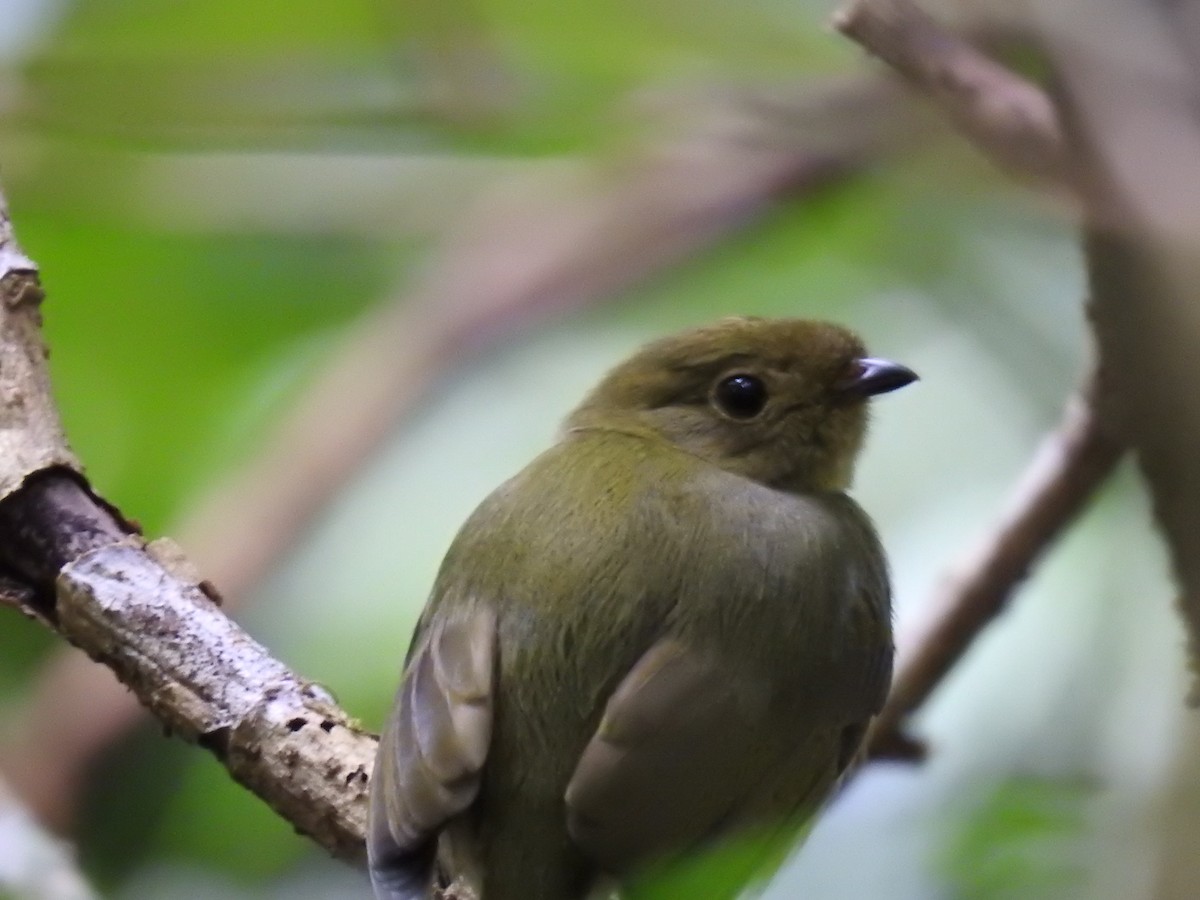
(1016, 125)
(1128, 75)
(31, 434)
(1010, 119)
(1072, 462)
(71, 561)
(164, 636)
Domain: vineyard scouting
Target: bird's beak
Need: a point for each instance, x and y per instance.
(875, 376)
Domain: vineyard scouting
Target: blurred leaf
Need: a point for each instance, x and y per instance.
(1024, 841)
(725, 872)
(205, 27)
(142, 72)
(498, 76)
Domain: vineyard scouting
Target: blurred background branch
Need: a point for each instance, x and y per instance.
(1134, 126)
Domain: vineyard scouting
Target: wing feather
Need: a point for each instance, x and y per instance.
(666, 764)
(430, 757)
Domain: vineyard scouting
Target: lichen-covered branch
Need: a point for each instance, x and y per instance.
(70, 560)
(125, 603)
(31, 435)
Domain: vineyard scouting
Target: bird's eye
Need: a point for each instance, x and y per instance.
(740, 396)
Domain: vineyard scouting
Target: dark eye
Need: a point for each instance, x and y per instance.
(740, 396)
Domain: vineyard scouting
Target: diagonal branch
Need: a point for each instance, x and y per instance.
(1072, 462)
(207, 680)
(70, 560)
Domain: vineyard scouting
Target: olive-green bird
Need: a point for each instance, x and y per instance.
(671, 627)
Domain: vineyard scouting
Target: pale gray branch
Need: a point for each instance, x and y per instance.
(211, 683)
(31, 435)
(68, 559)
(204, 677)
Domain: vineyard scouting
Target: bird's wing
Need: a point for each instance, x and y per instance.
(430, 756)
(667, 764)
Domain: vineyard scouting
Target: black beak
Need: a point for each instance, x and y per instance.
(875, 376)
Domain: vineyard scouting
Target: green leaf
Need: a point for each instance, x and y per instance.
(736, 865)
(1023, 842)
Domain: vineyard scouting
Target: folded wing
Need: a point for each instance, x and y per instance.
(667, 765)
(432, 752)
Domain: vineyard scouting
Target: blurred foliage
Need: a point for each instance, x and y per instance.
(1023, 841)
(724, 872)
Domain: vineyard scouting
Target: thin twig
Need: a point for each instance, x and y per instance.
(1010, 119)
(1072, 462)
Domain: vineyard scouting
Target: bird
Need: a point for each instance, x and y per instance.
(672, 628)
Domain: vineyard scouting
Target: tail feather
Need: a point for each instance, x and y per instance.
(400, 876)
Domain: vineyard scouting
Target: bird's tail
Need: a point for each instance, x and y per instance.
(396, 875)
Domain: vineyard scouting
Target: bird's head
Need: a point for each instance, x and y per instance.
(780, 401)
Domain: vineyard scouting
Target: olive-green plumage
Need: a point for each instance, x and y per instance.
(671, 626)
